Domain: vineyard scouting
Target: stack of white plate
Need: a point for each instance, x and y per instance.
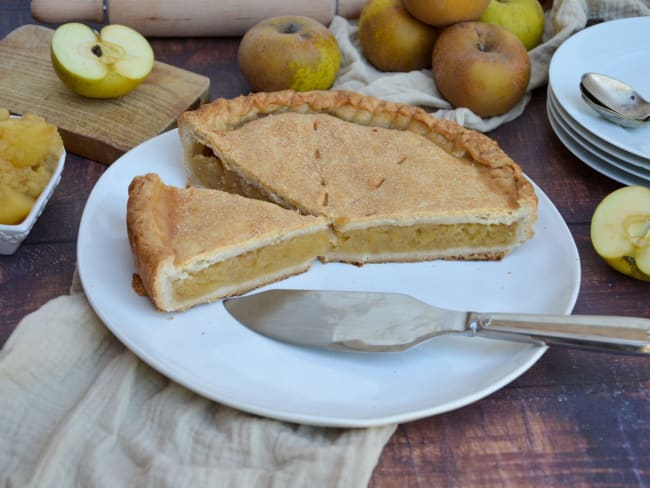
(618, 48)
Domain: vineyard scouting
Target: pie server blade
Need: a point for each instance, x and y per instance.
(377, 322)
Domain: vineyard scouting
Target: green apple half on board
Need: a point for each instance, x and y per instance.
(107, 64)
(620, 231)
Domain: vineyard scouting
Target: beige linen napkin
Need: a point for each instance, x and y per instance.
(78, 409)
(417, 87)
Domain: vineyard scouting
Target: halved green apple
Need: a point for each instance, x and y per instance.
(107, 64)
(620, 231)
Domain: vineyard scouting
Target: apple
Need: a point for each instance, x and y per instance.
(392, 39)
(620, 231)
(481, 66)
(289, 52)
(441, 13)
(524, 18)
(107, 64)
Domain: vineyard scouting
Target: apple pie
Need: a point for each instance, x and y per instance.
(194, 245)
(392, 181)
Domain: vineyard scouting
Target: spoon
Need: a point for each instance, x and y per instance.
(610, 115)
(614, 100)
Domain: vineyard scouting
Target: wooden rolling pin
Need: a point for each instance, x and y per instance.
(189, 18)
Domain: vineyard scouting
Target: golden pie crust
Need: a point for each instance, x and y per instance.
(194, 245)
(394, 182)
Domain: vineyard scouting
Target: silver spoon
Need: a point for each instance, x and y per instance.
(615, 100)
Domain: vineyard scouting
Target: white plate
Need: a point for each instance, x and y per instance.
(600, 146)
(598, 159)
(209, 352)
(586, 143)
(617, 48)
(591, 159)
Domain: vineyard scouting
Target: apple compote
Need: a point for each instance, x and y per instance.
(30, 148)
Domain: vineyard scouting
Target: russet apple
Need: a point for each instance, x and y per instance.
(441, 13)
(107, 64)
(620, 231)
(524, 18)
(289, 52)
(392, 39)
(480, 66)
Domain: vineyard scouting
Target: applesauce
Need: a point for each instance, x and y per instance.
(30, 149)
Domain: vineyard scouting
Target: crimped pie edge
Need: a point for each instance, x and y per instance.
(227, 114)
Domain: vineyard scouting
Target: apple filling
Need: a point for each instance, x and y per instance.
(203, 167)
(390, 239)
(206, 169)
(252, 267)
(380, 241)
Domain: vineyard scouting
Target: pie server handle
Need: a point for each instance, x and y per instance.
(601, 332)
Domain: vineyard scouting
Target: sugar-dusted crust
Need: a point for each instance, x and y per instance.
(175, 231)
(404, 165)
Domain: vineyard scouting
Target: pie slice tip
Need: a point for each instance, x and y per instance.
(193, 245)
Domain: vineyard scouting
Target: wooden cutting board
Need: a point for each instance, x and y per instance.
(101, 130)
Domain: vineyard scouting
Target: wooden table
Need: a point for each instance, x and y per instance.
(575, 418)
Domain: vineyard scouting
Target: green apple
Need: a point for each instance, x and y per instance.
(392, 39)
(107, 64)
(289, 52)
(481, 66)
(524, 18)
(441, 13)
(620, 231)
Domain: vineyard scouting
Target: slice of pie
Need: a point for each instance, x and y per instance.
(195, 245)
(396, 183)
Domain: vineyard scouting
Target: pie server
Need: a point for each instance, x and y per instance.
(376, 322)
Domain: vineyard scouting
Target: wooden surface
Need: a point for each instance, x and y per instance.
(101, 130)
(574, 419)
